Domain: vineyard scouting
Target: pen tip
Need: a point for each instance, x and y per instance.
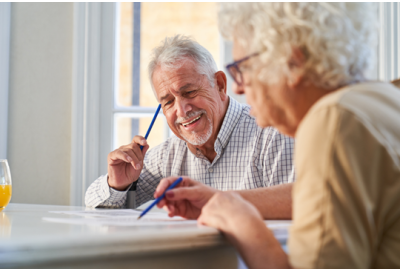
(139, 217)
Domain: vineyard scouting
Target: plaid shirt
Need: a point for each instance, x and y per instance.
(247, 157)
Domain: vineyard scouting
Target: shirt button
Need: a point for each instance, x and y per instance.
(210, 170)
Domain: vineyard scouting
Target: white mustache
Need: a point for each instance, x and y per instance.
(188, 116)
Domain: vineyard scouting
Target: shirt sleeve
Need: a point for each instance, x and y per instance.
(277, 162)
(100, 194)
(334, 195)
(155, 161)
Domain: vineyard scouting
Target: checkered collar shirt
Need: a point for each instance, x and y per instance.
(231, 118)
(247, 157)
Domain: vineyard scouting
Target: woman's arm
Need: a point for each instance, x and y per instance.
(243, 225)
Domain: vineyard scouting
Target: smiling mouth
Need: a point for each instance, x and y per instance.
(193, 121)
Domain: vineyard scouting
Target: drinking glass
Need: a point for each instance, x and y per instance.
(5, 184)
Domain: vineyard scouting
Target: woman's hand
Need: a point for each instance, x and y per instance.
(229, 213)
(242, 224)
(185, 200)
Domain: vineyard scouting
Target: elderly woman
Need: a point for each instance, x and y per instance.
(303, 69)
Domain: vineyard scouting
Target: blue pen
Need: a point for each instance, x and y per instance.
(151, 125)
(177, 181)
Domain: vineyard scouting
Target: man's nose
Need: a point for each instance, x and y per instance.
(183, 107)
(238, 89)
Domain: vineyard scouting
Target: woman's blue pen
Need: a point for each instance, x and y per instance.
(177, 181)
(151, 125)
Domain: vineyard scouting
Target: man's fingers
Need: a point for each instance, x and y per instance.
(139, 140)
(117, 156)
(136, 163)
(127, 155)
(145, 148)
(138, 153)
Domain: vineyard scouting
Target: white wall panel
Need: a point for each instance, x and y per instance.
(5, 14)
(39, 135)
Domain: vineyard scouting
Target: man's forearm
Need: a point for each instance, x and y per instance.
(273, 202)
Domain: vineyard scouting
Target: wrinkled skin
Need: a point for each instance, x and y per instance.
(184, 95)
(186, 200)
(126, 163)
(183, 91)
(273, 103)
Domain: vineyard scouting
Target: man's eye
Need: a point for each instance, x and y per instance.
(167, 103)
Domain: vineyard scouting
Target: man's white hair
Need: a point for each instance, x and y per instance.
(337, 39)
(177, 48)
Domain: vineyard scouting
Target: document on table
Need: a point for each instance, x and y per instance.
(128, 217)
(117, 217)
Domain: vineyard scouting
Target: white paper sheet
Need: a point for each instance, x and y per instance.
(117, 217)
(118, 221)
(128, 217)
(115, 213)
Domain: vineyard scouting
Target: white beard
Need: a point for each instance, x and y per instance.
(199, 139)
(196, 138)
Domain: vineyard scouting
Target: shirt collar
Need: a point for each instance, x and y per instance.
(231, 119)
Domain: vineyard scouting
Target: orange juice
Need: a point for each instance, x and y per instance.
(5, 196)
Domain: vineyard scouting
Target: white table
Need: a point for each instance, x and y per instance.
(26, 240)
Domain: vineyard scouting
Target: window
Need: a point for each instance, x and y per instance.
(142, 26)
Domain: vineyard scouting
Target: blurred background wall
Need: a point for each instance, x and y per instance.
(39, 126)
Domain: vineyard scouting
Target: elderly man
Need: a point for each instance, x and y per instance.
(302, 67)
(217, 142)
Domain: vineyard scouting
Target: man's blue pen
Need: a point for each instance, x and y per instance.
(177, 181)
(151, 125)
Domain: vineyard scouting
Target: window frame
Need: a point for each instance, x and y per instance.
(93, 77)
(94, 107)
(388, 54)
(134, 111)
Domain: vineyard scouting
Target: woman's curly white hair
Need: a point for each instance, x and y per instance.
(337, 39)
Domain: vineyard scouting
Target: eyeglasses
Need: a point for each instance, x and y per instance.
(235, 71)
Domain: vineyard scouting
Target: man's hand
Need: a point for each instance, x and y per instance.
(185, 200)
(126, 163)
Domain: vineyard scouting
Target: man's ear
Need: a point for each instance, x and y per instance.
(220, 78)
(296, 67)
